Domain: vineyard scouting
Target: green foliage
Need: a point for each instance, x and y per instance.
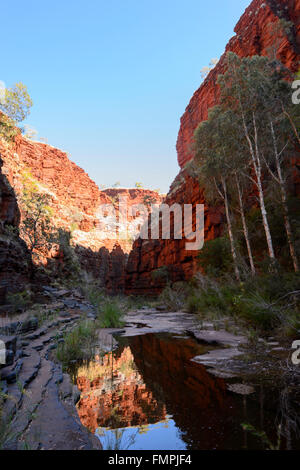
(138, 185)
(70, 260)
(161, 273)
(19, 301)
(79, 344)
(148, 200)
(110, 316)
(6, 433)
(109, 311)
(265, 302)
(245, 145)
(30, 132)
(8, 130)
(75, 219)
(215, 257)
(17, 102)
(36, 227)
(262, 436)
(193, 303)
(173, 297)
(259, 310)
(93, 293)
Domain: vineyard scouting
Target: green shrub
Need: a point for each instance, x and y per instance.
(109, 311)
(174, 297)
(290, 324)
(110, 316)
(19, 301)
(8, 129)
(193, 303)
(94, 294)
(161, 273)
(78, 344)
(258, 310)
(72, 268)
(215, 257)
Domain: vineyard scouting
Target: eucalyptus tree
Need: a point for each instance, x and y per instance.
(238, 169)
(211, 167)
(16, 103)
(237, 95)
(265, 95)
(274, 92)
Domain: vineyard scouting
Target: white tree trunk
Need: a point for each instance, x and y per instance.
(245, 228)
(287, 222)
(230, 232)
(257, 168)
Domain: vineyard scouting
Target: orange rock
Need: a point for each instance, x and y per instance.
(253, 36)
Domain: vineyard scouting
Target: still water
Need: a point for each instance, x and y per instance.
(149, 394)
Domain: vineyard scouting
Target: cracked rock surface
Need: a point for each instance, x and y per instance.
(39, 405)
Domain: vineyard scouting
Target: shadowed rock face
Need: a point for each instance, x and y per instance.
(15, 261)
(253, 36)
(148, 255)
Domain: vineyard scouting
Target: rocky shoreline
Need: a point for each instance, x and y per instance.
(40, 399)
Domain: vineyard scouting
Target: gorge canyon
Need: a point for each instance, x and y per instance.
(122, 263)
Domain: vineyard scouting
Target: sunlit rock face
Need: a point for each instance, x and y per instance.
(77, 200)
(78, 206)
(253, 36)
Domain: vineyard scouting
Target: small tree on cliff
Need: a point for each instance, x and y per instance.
(36, 228)
(15, 103)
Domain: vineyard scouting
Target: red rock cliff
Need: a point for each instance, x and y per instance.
(253, 36)
(15, 261)
(76, 200)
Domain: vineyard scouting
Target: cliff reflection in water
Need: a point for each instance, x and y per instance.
(149, 394)
(113, 394)
(149, 379)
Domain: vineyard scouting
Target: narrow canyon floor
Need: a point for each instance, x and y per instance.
(166, 380)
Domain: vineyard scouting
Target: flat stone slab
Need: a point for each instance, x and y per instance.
(221, 337)
(151, 321)
(221, 373)
(213, 358)
(241, 389)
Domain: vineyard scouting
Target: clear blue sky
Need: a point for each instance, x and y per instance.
(110, 79)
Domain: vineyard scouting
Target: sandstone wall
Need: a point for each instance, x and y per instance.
(253, 36)
(15, 261)
(76, 199)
